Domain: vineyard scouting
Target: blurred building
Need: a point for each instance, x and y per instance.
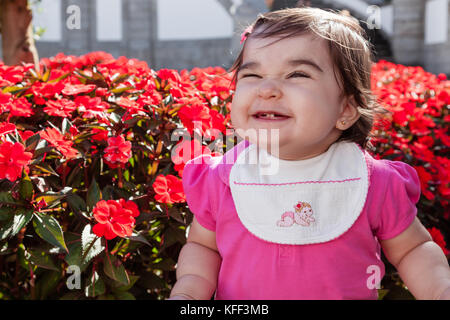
(188, 33)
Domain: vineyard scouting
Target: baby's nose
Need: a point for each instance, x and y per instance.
(269, 90)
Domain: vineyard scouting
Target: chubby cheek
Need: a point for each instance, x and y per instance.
(239, 109)
(236, 116)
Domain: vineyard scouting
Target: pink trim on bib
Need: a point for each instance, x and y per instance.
(291, 183)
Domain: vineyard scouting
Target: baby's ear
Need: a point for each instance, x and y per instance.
(349, 114)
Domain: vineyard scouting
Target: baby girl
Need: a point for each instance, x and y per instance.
(316, 227)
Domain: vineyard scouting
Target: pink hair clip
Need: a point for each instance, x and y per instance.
(246, 33)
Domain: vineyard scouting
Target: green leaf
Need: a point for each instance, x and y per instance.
(14, 89)
(75, 251)
(6, 198)
(15, 223)
(116, 287)
(45, 168)
(32, 142)
(42, 259)
(175, 213)
(117, 78)
(73, 176)
(65, 126)
(139, 238)
(49, 229)
(94, 194)
(23, 257)
(77, 204)
(26, 187)
(47, 283)
(119, 89)
(21, 219)
(46, 75)
(114, 269)
(74, 255)
(40, 151)
(6, 213)
(95, 286)
(91, 245)
(6, 229)
(53, 198)
(108, 193)
(60, 78)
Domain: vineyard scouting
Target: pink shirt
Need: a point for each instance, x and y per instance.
(254, 269)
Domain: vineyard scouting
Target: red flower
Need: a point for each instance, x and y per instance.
(131, 105)
(442, 77)
(169, 74)
(10, 75)
(26, 134)
(439, 239)
(115, 218)
(99, 134)
(169, 189)
(60, 108)
(20, 108)
(74, 89)
(149, 98)
(195, 116)
(118, 152)
(55, 138)
(13, 159)
(424, 177)
(91, 107)
(187, 150)
(5, 97)
(41, 90)
(6, 127)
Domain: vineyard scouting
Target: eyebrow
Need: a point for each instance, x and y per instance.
(294, 63)
(297, 62)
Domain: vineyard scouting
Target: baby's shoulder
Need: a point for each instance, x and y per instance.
(383, 168)
(388, 174)
(212, 170)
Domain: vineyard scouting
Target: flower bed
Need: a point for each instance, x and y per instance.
(92, 151)
(416, 130)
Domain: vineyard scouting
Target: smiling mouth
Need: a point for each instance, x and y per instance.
(271, 116)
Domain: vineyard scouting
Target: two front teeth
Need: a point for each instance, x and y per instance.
(269, 115)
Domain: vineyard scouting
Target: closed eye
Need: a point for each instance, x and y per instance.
(249, 75)
(298, 74)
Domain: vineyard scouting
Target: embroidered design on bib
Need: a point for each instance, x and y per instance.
(302, 216)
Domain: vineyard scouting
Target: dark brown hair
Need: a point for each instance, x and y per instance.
(350, 51)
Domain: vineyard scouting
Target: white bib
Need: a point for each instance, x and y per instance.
(306, 201)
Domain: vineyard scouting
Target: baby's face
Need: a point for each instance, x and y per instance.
(289, 85)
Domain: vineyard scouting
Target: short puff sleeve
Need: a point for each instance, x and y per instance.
(398, 206)
(199, 181)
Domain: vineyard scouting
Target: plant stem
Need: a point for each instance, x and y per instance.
(64, 169)
(159, 148)
(86, 179)
(120, 177)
